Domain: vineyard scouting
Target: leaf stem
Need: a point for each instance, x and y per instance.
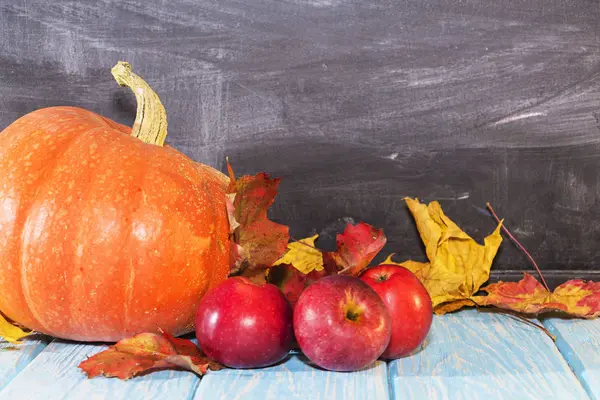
(519, 245)
(524, 320)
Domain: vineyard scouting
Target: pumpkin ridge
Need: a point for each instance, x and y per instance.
(103, 155)
(128, 241)
(17, 146)
(46, 171)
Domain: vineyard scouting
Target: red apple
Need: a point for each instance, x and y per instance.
(341, 324)
(241, 324)
(407, 302)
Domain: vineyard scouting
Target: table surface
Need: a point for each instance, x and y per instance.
(467, 355)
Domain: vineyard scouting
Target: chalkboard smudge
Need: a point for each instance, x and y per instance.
(519, 117)
(460, 196)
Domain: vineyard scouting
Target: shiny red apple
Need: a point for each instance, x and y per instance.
(408, 303)
(341, 324)
(241, 324)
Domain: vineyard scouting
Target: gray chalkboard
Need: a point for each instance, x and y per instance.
(355, 104)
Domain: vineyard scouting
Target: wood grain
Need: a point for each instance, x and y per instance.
(295, 379)
(579, 343)
(467, 355)
(472, 355)
(356, 104)
(53, 374)
(14, 358)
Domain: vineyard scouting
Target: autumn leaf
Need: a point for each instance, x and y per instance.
(576, 297)
(11, 333)
(292, 282)
(452, 306)
(580, 298)
(299, 267)
(420, 269)
(356, 248)
(304, 263)
(458, 265)
(233, 224)
(147, 352)
(257, 242)
(303, 255)
(289, 280)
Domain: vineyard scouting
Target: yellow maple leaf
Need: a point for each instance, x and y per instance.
(420, 269)
(437, 283)
(458, 265)
(303, 255)
(10, 332)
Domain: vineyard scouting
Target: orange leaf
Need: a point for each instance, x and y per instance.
(147, 352)
(575, 297)
(256, 242)
(356, 247)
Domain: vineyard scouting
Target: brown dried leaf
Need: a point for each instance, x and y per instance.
(257, 242)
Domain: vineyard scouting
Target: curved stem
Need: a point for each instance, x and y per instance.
(524, 320)
(150, 124)
(519, 245)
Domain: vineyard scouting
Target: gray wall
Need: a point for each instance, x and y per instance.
(355, 104)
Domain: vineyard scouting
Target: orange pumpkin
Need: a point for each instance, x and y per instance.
(104, 235)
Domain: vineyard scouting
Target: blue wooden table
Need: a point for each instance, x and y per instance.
(467, 355)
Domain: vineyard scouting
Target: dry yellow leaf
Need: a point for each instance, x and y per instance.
(451, 306)
(437, 285)
(458, 265)
(10, 332)
(303, 255)
(420, 269)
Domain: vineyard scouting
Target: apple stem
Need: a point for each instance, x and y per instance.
(519, 245)
(352, 316)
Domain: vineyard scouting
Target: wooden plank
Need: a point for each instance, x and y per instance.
(579, 343)
(295, 379)
(53, 374)
(472, 355)
(13, 358)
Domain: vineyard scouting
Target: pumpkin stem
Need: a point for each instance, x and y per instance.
(150, 124)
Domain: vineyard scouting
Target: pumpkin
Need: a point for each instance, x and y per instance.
(104, 231)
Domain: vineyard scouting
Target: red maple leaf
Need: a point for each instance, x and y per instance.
(356, 248)
(147, 352)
